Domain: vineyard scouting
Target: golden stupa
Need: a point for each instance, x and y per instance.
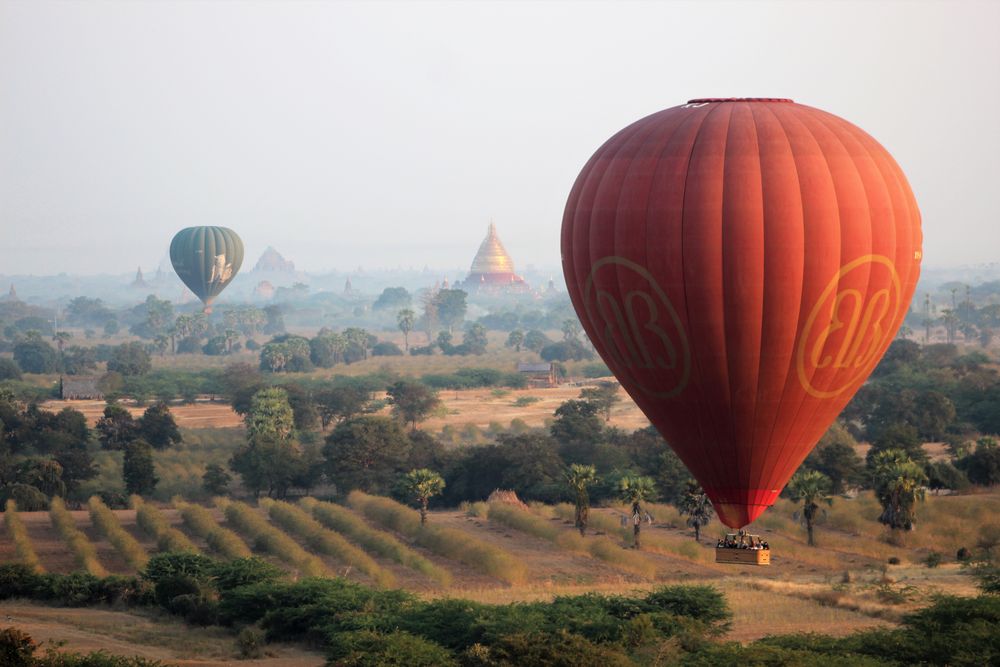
(492, 267)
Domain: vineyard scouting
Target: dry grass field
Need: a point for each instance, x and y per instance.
(840, 586)
(480, 407)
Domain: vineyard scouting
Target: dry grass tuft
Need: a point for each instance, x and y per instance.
(83, 550)
(109, 525)
(19, 535)
(155, 524)
(271, 540)
(200, 521)
(446, 542)
(379, 542)
(325, 541)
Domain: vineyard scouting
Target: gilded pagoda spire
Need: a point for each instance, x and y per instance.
(492, 256)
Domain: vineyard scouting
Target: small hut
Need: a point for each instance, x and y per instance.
(80, 388)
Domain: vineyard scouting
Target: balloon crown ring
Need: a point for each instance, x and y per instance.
(705, 100)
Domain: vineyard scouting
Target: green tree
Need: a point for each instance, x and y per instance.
(603, 397)
(327, 348)
(579, 478)
(515, 340)
(570, 330)
(412, 402)
(271, 458)
(634, 491)
(898, 483)
(535, 340)
(836, 457)
(340, 403)
(157, 426)
(138, 469)
(450, 306)
(34, 355)
(697, 507)
(405, 320)
(578, 429)
(422, 485)
(130, 359)
(394, 298)
(216, 480)
(810, 488)
(116, 428)
(270, 416)
(366, 452)
(982, 465)
(474, 341)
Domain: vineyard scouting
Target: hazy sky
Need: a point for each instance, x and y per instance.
(386, 134)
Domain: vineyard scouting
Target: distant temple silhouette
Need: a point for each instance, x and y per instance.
(139, 280)
(492, 268)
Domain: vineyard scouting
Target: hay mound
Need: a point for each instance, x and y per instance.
(507, 498)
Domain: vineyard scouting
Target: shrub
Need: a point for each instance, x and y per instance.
(83, 551)
(933, 559)
(379, 542)
(386, 349)
(250, 643)
(223, 541)
(445, 542)
(367, 648)
(893, 560)
(155, 524)
(268, 538)
(16, 648)
(325, 541)
(19, 536)
(106, 521)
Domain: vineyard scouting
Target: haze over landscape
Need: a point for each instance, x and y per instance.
(389, 134)
(292, 373)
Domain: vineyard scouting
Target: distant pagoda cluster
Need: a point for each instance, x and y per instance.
(493, 269)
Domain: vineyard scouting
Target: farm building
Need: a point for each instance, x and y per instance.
(79, 388)
(538, 374)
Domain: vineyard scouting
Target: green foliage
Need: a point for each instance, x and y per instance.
(216, 480)
(367, 648)
(421, 485)
(412, 402)
(34, 355)
(157, 426)
(379, 542)
(366, 452)
(579, 478)
(898, 487)
(130, 359)
(116, 428)
(446, 542)
(810, 488)
(138, 470)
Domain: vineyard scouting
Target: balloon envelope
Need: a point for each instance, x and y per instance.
(206, 259)
(741, 266)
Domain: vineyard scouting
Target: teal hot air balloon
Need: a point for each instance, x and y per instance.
(206, 259)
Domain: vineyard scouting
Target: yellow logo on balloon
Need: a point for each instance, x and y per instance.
(848, 327)
(639, 329)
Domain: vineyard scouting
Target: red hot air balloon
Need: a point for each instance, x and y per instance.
(741, 265)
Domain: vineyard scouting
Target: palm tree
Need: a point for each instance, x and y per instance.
(578, 478)
(810, 487)
(423, 484)
(405, 319)
(898, 483)
(634, 491)
(698, 508)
